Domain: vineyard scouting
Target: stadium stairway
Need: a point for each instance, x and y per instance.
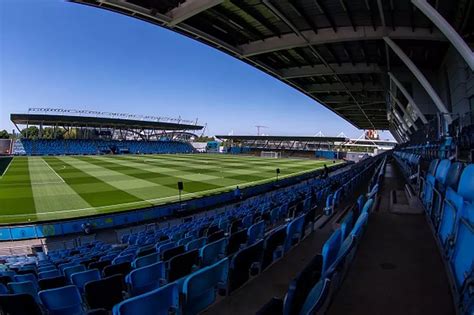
(398, 268)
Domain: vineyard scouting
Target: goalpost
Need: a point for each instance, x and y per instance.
(270, 154)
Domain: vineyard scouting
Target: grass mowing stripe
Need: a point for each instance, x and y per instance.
(16, 194)
(93, 190)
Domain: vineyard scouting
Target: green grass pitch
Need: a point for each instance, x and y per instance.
(36, 189)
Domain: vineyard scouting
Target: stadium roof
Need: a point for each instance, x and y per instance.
(285, 138)
(103, 122)
(335, 52)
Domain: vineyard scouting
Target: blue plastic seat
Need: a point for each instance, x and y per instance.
(368, 206)
(121, 259)
(462, 258)
(197, 243)
(294, 232)
(146, 260)
(360, 225)
(72, 270)
(346, 224)
(49, 274)
(201, 287)
(81, 278)
(330, 250)
(3, 289)
(62, 301)
(26, 277)
(157, 302)
(255, 232)
(213, 252)
(27, 287)
(145, 279)
(316, 298)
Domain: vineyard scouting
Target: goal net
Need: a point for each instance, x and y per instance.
(270, 154)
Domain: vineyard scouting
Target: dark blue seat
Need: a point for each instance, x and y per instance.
(27, 287)
(171, 252)
(19, 304)
(245, 262)
(300, 286)
(197, 243)
(160, 301)
(200, 288)
(273, 247)
(235, 241)
(146, 260)
(182, 265)
(69, 271)
(104, 293)
(62, 301)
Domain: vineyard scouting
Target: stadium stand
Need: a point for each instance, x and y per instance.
(153, 267)
(92, 147)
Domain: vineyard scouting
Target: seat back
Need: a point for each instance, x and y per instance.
(122, 268)
(50, 283)
(462, 259)
(121, 259)
(433, 166)
(65, 300)
(213, 252)
(81, 278)
(200, 288)
(272, 242)
(49, 274)
(146, 260)
(217, 235)
(145, 279)
(104, 293)
(255, 232)
(242, 262)
(442, 171)
(454, 173)
(346, 224)
(368, 206)
(316, 297)
(294, 232)
(182, 265)
(73, 269)
(171, 252)
(19, 304)
(360, 225)
(466, 183)
(301, 285)
(197, 243)
(158, 302)
(452, 205)
(235, 240)
(330, 250)
(26, 277)
(27, 287)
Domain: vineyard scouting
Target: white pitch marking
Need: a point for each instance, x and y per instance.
(53, 170)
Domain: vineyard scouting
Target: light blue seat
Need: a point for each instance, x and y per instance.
(213, 252)
(316, 298)
(294, 232)
(146, 260)
(49, 274)
(331, 250)
(452, 205)
(432, 181)
(160, 301)
(197, 243)
(81, 278)
(360, 225)
(200, 288)
(145, 279)
(255, 232)
(27, 287)
(62, 301)
(73, 269)
(346, 224)
(368, 206)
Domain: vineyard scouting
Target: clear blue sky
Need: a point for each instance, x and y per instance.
(59, 54)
